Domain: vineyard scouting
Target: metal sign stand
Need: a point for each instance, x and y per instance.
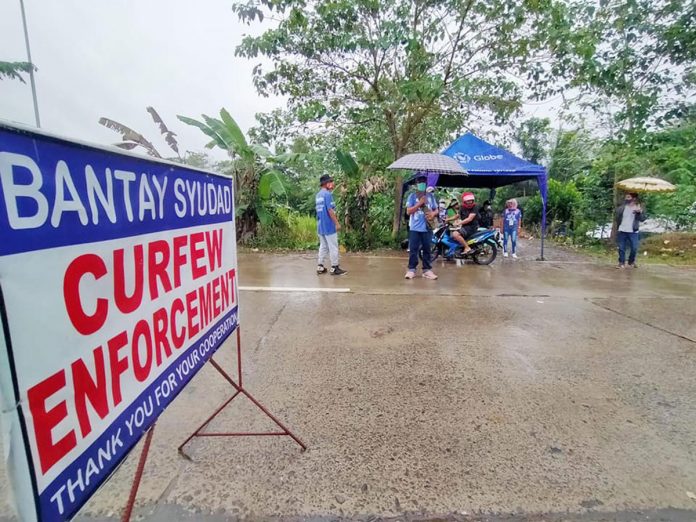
(138, 476)
(238, 390)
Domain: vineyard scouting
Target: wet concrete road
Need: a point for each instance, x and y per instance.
(524, 390)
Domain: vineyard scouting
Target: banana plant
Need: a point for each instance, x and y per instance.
(132, 139)
(356, 191)
(258, 174)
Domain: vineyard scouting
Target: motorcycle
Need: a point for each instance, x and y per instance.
(484, 245)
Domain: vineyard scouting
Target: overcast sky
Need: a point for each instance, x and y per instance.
(113, 58)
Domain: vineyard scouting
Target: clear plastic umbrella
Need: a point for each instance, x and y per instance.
(426, 162)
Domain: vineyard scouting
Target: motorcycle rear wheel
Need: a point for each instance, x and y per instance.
(485, 254)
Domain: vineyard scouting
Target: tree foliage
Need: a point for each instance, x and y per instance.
(259, 175)
(571, 154)
(14, 70)
(132, 139)
(407, 73)
(634, 57)
(533, 136)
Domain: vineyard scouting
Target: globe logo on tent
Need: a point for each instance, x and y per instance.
(462, 158)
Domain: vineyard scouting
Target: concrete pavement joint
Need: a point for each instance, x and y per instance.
(645, 323)
(170, 486)
(270, 326)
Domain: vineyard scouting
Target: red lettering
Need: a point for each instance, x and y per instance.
(178, 339)
(90, 389)
(158, 269)
(118, 366)
(159, 321)
(230, 275)
(213, 240)
(197, 254)
(140, 369)
(128, 304)
(216, 296)
(204, 304)
(179, 258)
(225, 291)
(84, 264)
(45, 420)
(191, 312)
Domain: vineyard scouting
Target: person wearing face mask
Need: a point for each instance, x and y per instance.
(486, 214)
(629, 215)
(512, 222)
(442, 208)
(421, 206)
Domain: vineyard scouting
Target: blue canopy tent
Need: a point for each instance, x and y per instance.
(490, 167)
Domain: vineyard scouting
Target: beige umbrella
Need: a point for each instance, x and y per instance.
(646, 184)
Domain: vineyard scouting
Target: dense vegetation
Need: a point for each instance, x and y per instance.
(370, 80)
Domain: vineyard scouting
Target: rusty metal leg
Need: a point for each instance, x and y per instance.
(256, 403)
(239, 389)
(138, 476)
(222, 372)
(239, 356)
(272, 417)
(205, 423)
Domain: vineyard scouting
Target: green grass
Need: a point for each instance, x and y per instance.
(674, 248)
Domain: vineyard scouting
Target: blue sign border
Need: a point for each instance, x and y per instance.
(26, 140)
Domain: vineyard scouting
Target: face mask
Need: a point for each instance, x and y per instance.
(421, 187)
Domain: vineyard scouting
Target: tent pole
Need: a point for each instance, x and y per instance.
(543, 233)
(543, 189)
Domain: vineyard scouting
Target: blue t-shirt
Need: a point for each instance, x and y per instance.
(324, 201)
(417, 221)
(512, 218)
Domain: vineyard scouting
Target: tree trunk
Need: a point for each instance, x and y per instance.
(247, 225)
(398, 204)
(617, 201)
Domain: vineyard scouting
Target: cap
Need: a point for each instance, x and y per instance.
(468, 196)
(325, 179)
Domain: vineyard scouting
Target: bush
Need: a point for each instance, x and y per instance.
(679, 206)
(289, 229)
(562, 202)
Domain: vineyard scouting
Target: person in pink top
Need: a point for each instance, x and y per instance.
(512, 221)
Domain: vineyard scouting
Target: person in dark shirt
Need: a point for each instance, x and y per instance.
(469, 219)
(486, 214)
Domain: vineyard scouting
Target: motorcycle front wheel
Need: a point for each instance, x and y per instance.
(486, 253)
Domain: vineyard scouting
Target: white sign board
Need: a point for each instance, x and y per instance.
(118, 282)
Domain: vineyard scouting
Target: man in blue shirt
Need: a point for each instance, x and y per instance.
(327, 227)
(420, 207)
